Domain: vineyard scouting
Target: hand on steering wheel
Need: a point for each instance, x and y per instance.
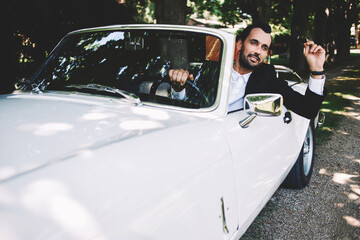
(179, 77)
(183, 80)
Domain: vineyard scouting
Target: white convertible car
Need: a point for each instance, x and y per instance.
(97, 146)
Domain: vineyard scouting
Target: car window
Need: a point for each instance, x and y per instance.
(136, 61)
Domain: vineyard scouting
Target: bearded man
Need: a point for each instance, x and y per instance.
(251, 75)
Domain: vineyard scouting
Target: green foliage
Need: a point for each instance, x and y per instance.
(280, 13)
(228, 11)
(38, 25)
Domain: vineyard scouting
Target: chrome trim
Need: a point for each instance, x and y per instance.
(263, 104)
(321, 119)
(308, 151)
(282, 68)
(245, 122)
(225, 228)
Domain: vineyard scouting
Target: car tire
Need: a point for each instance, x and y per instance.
(300, 175)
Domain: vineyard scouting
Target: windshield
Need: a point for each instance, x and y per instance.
(137, 62)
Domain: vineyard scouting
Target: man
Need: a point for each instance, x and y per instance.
(251, 75)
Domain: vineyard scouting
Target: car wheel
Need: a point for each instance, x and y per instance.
(300, 174)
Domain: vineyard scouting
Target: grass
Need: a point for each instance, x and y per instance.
(341, 92)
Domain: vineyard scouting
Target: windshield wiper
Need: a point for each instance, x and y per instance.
(26, 84)
(129, 96)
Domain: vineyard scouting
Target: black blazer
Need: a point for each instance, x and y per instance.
(264, 80)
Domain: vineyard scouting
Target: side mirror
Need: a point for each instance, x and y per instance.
(263, 104)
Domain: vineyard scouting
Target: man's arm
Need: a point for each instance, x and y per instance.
(315, 94)
(315, 56)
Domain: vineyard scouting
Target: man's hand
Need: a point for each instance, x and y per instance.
(315, 56)
(178, 78)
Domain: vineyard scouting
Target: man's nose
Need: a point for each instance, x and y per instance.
(258, 49)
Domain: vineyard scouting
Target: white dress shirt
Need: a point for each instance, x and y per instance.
(237, 90)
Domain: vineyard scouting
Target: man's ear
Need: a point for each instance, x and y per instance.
(238, 45)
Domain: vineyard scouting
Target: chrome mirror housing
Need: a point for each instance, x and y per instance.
(263, 104)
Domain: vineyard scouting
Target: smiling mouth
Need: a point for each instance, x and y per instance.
(254, 58)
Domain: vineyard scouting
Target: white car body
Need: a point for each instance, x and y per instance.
(76, 166)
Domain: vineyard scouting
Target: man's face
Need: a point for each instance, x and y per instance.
(254, 49)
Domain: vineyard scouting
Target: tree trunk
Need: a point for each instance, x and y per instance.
(6, 48)
(320, 23)
(263, 11)
(342, 32)
(298, 27)
(170, 12)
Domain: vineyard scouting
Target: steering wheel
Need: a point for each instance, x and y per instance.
(188, 83)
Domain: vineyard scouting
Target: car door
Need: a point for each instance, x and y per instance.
(262, 153)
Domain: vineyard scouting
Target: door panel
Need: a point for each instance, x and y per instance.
(262, 153)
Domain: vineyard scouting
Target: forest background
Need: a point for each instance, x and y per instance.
(30, 29)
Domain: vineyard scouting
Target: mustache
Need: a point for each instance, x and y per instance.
(257, 56)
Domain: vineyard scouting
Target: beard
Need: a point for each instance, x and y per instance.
(246, 63)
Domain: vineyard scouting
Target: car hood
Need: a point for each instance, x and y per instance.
(40, 129)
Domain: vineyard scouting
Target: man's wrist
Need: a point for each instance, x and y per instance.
(318, 72)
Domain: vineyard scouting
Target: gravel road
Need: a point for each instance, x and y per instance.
(329, 208)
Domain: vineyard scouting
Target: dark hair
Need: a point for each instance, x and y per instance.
(246, 32)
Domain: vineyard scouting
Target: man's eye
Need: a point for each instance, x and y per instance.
(265, 48)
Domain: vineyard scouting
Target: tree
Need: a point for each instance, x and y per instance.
(6, 49)
(43, 23)
(347, 13)
(232, 12)
(298, 28)
(321, 18)
(171, 12)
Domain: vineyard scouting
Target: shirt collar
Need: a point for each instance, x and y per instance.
(236, 75)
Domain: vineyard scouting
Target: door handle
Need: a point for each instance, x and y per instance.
(287, 117)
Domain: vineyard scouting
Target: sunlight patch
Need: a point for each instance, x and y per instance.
(353, 196)
(6, 172)
(355, 189)
(351, 114)
(152, 113)
(98, 116)
(49, 129)
(342, 132)
(343, 178)
(352, 221)
(140, 125)
(52, 200)
(349, 108)
(339, 205)
(346, 96)
(326, 129)
(326, 110)
(323, 171)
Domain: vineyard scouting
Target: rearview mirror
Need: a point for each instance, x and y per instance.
(263, 104)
